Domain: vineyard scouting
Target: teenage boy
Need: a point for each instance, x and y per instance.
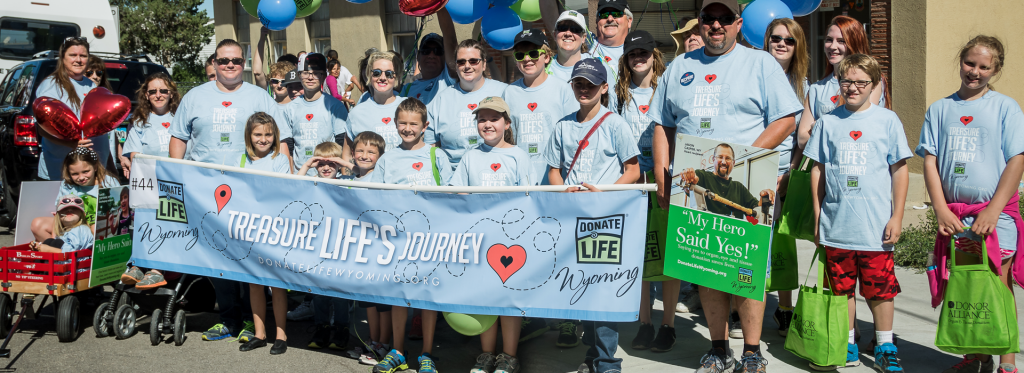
(315, 117)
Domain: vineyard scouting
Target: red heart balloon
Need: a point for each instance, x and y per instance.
(421, 8)
(56, 118)
(103, 111)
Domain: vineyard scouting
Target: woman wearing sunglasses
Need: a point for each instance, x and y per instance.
(570, 31)
(377, 113)
(158, 100)
(97, 72)
(432, 60)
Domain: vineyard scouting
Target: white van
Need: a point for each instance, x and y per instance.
(28, 27)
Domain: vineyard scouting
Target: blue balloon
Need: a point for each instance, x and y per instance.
(276, 15)
(758, 15)
(802, 8)
(359, 1)
(467, 11)
(500, 27)
(503, 3)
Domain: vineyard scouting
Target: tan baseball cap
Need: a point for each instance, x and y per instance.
(679, 36)
(494, 103)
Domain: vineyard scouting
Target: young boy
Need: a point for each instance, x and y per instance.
(314, 117)
(412, 162)
(859, 185)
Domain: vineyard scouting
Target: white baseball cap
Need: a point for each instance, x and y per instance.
(574, 16)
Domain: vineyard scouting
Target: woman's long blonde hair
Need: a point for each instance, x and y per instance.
(797, 71)
(622, 92)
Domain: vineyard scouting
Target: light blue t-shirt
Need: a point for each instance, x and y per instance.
(564, 73)
(609, 56)
(856, 148)
(452, 123)
(151, 138)
(972, 141)
(373, 117)
(534, 114)
(730, 98)
(215, 120)
(601, 161)
(78, 238)
(785, 149)
(52, 156)
(411, 167)
(312, 123)
(426, 89)
(641, 125)
(489, 166)
(270, 163)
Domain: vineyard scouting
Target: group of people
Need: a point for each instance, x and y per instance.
(581, 115)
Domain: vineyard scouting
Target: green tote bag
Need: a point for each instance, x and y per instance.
(820, 326)
(798, 209)
(784, 275)
(978, 312)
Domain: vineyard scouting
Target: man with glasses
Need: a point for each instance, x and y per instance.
(731, 94)
(432, 60)
(314, 117)
(210, 123)
(569, 31)
(719, 181)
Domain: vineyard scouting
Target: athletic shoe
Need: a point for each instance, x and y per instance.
(248, 332)
(427, 364)
(339, 339)
(644, 337)
(712, 363)
(689, 302)
(303, 312)
(665, 340)
(1006, 368)
(532, 328)
(150, 281)
(885, 359)
(132, 276)
(507, 364)
(484, 363)
(567, 334)
(752, 362)
(583, 368)
(216, 333)
(375, 353)
(416, 332)
(321, 337)
(391, 363)
(782, 318)
(971, 364)
(735, 327)
(252, 344)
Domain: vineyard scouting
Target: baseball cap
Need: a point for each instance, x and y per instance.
(638, 39)
(574, 16)
(292, 77)
(494, 103)
(613, 4)
(589, 69)
(680, 34)
(312, 62)
(70, 201)
(432, 37)
(731, 4)
(533, 36)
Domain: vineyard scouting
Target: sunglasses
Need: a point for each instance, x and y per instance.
(437, 51)
(98, 73)
(472, 61)
(789, 41)
(610, 13)
(723, 20)
(390, 74)
(575, 29)
(162, 91)
(71, 200)
(74, 38)
(534, 54)
(224, 61)
(276, 81)
(845, 83)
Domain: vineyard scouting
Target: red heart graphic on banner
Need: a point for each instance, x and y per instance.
(417, 166)
(506, 260)
(309, 116)
(386, 120)
(103, 111)
(495, 166)
(966, 120)
(835, 99)
(166, 124)
(226, 103)
(644, 108)
(471, 106)
(710, 78)
(56, 118)
(856, 135)
(531, 106)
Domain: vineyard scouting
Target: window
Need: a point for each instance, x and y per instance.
(320, 29)
(21, 38)
(242, 19)
(9, 86)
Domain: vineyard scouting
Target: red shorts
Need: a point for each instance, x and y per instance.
(874, 269)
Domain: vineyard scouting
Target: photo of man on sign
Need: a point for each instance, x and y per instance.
(714, 177)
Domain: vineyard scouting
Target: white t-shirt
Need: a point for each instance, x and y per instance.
(344, 79)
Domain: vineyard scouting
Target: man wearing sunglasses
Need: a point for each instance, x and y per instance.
(730, 94)
(431, 60)
(613, 23)
(314, 117)
(570, 36)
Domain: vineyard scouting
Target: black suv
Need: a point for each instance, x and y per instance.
(19, 135)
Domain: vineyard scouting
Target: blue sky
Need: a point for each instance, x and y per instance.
(208, 7)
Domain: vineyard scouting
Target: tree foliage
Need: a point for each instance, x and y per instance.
(170, 31)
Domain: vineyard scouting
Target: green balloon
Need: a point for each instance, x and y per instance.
(469, 325)
(250, 7)
(745, 1)
(306, 7)
(528, 10)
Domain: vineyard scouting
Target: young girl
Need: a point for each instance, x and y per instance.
(608, 156)
(83, 176)
(158, 99)
(71, 233)
(976, 185)
(376, 114)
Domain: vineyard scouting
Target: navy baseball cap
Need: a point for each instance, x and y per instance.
(589, 69)
(532, 36)
(432, 37)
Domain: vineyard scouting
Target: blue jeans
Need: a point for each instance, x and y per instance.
(322, 310)
(232, 302)
(603, 339)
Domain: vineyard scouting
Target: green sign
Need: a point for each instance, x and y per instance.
(109, 258)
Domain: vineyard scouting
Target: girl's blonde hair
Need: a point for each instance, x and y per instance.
(262, 119)
(88, 156)
(797, 70)
(622, 92)
(994, 46)
(387, 56)
(58, 225)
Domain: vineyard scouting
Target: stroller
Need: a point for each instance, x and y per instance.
(167, 306)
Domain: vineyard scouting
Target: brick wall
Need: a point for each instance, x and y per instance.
(881, 38)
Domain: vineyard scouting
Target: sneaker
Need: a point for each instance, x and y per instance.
(132, 276)
(376, 353)
(970, 364)
(644, 337)
(735, 327)
(339, 339)
(532, 328)
(782, 318)
(216, 333)
(507, 364)
(584, 368)
(852, 360)
(321, 337)
(151, 280)
(665, 340)
(484, 363)
(1006, 368)
(885, 359)
(416, 332)
(391, 363)
(567, 334)
(713, 363)
(427, 364)
(303, 312)
(248, 332)
(752, 362)
(689, 302)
